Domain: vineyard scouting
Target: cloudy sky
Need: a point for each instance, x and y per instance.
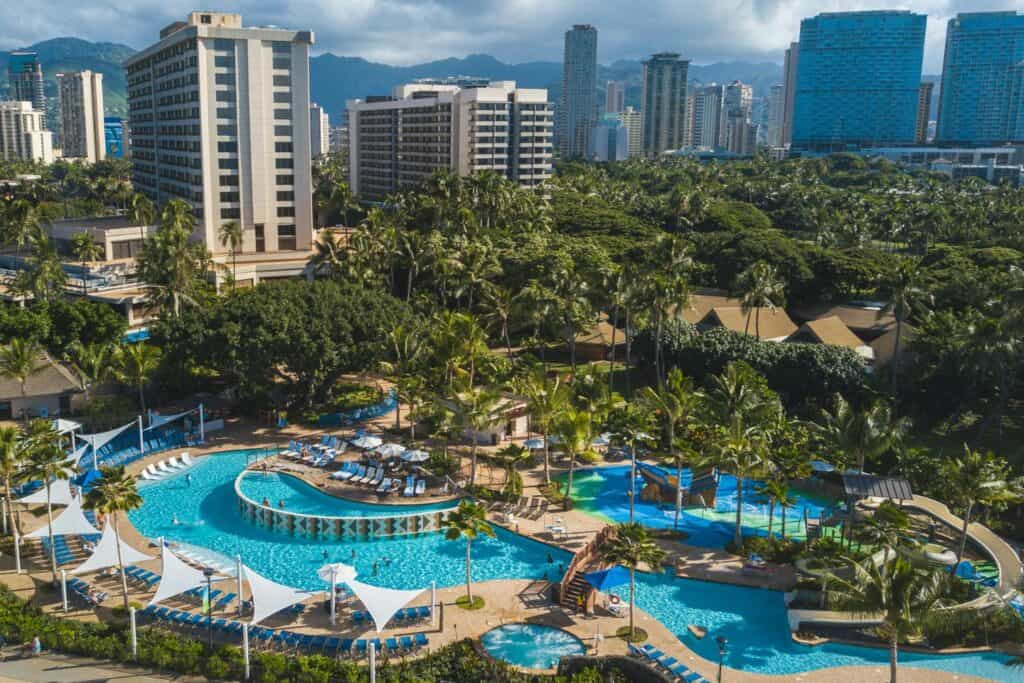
(412, 31)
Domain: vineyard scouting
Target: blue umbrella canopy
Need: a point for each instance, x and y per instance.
(607, 578)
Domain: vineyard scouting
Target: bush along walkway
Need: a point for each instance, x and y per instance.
(169, 652)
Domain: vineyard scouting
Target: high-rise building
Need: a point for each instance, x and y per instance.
(776, 112)
(739, 99)
(401, 140)
(707, 117)
(664, 102)
(634, 123)
(319, 130)
(578, 110)
(25, 79)
(615, 97)
(339, 140)
(23, 134)
(789, 92)
(741, 136)
(220, 119)
(981, 101)
(924, 112)
(609, 141)
(80, 98)
(114, 135)
(858, 79)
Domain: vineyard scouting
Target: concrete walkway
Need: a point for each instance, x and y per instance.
(58, 668)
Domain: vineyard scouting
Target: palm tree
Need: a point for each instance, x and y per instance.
(906, 295)
(511, 457)
(47, 462)
(85, 248)
(973, 479)
(20, 360)
(676, 404)
(476, 410)
(468, 521)
(776, 491)
(632, 546)
(630, 424)
(546, 398)
(740, 451)
(860, 434)
(575, 430)
(230, 236)
(134, 364)
(42, 277)
(757, 287)
(902, 592)
(500, 303)
(91, 362)
(11, 460)
(115, 492)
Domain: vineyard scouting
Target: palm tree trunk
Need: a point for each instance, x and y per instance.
(469, 579)
(894, 650)
(632, 479)
(771, 516)
(783, 522)
(142, 398)
(49, 520)
(472, 461)
(963, 533)
(738, 536)
(611, 365)
(632, 602)
(567, 500)
(679, 490)
(120, 563)
(629, 348)
(896, 360)
(757, 323)
(547, 458)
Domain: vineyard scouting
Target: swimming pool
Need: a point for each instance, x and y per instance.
(531, 645)
(754, 621)
(604, 492)
(300, 497)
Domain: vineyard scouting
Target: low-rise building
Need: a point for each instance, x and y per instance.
(50, 391)
(766, 324)
(831, 331)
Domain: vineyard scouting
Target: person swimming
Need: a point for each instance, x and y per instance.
(375, 569)
(174, 520)
(280, 503)
(266, 502)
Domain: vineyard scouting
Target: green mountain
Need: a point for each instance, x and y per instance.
(73, 54)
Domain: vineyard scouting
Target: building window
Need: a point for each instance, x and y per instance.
(285, 180)
(229, 197)
(228, 130)
(228, 147)
(286, 195)
(261, 243)
(229, 181)
(231, 213)
(286, 237)
(227, 61)
(227, 164)
(282, 114)
(281, 48)
(225, 96)
(205, 19)
(283, 147)
(286, 212)
(224, 79)
(283, 131)
(282, 80)
(225, 112)
(223, 44)
(284, 163)
(282, 62)
(282, 97)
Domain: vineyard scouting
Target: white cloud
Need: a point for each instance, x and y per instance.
(411, 31)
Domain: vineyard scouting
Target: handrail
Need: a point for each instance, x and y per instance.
(582, 557)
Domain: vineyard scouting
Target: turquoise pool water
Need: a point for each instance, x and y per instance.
(604, 491)
(298, 496)
(531, 645)
(754, 621)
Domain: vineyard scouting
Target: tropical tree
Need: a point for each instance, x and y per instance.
(906, 294)
(631, 546)
(511, 457)
(115, 492)
(476, 410)
(974, 479)
(631, 423)
(47, 462)
(757, 287)
(468, 521)
(902, 592)
(43, 276)
(230, 236)
(85, 248)
(776, 491)
(20, 360)
(11, 461)
(171, 264)
(134, 365)
(860, 435)
(740, 451)
(546, 398)
(574, 428)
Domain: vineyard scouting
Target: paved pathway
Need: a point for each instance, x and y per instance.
(57, 668)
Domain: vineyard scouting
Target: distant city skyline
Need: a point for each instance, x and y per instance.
(514, 31)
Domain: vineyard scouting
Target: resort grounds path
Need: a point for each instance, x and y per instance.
(57, 668)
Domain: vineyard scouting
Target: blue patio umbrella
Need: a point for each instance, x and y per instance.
(86, 479)
(607, 578)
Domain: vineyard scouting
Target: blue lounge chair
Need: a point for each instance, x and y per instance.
(423, 612)
(149, 610)
(407, 644)
(360, 648)
(652, 652)
(421, 640)
(668, 662)
(345, 646)
(219, 624)
(391, 644)
(331, 645)
(359, 616)
(225, 600)
(376, 644)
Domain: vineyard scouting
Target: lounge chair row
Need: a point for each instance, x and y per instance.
(86, 592)
(405, 615)
(318, 454)
(218, 599)
(61, 550)
(671, 665)
(142, 575)
(167, 467)
(529, 508)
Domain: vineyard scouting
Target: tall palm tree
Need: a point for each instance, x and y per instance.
(500, 303)
(546, 398)
(511, 457)
(632, 546)
(47, 462)
(974, 479)
(860, 434)
(757, 287)
(476, 410)
(43, 276)
(91, 362)
(903, 592)
(906, 294)
(134, 365)
(12, 457)
(468, 521)
(740, 451)
(575, 430)
(115, 492)
(230, 236)
(142, 212)
(631, 423)
(776, 491)
(20, 360)
(676, 404)
(85, 248)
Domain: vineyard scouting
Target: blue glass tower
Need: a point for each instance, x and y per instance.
(113, 130)
(982, 98)
(858, 79)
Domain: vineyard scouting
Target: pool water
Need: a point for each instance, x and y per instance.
(208, 516)
(300, 497)
(753, 621)
(531, 645)
(604, 492)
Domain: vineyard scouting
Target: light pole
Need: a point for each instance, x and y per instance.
(722, 643)
(208, 573)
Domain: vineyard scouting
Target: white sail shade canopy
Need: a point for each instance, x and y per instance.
(65, 426)
(101, 439)
(77, 454)
(71, 522)
(60, 494)
(105, 553)
(341, 572)
(270, 598)
(382, 603)
(156, 420)
(176, 577)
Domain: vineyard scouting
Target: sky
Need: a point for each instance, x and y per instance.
(404, 32)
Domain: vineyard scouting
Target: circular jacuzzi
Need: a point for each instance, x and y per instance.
(532, 646)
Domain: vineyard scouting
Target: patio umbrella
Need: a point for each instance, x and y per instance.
(607, 578)
(367, 442)
(338, 571)
(416, 456)
(390, 450)
(533, 444)
(602, 440)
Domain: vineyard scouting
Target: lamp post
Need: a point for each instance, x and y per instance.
(208, 573)
(722, 644)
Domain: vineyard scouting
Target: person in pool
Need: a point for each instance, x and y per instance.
(174, 520)
(280, 503)
(266, 502)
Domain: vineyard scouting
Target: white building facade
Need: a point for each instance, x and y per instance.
(80, 98)
(319, 130)
(23, 134)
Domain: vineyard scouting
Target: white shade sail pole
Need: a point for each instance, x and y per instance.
(373, 662)
(238, 585)
(3, 504)
(135, 633)
(202, 424)
(331, 590)
(245, 650)
(142, 442)
(64, 590)
(433, 603)
(17, 552)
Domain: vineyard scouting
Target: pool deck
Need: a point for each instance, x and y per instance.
(507, 600)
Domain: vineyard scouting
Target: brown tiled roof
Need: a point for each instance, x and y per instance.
(52, 379)
(885, 346)
(862, 321)
(702, 300)
(773, 324)
(600, 334)
(830, 330)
